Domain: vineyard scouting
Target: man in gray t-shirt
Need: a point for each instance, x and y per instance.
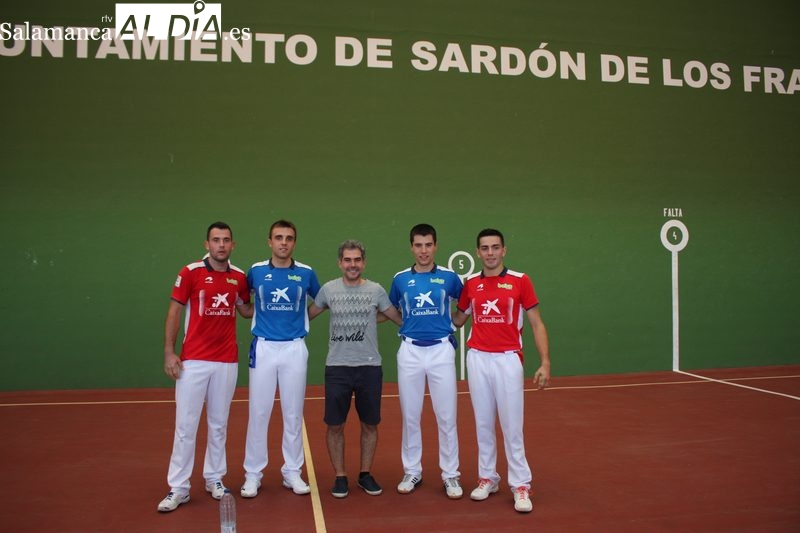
(353, 364)
(353, 337)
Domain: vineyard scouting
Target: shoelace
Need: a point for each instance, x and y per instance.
(522, 493)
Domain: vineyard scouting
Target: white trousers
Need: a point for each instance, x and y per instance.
(279, 365)
(201, 382)
(496, 387)
(437, 364)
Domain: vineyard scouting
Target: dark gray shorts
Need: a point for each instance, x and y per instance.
(341, 382)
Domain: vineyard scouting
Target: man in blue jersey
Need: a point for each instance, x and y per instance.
(278, 357)
(423, 293)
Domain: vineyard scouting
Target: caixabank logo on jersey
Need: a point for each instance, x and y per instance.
(220, 306)
(282, 301)
(491, 314)
(425, 305)
(197, 20)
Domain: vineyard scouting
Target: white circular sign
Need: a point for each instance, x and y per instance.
(665, 237)
(457, 265)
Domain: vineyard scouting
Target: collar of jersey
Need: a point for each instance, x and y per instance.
(269, 262)
(211, 269)
(414, 270)
(500, 275)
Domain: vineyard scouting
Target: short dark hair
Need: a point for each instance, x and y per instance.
(422, 230)
(490, 232)
(218, 225)
(282, 223)
(352, 244)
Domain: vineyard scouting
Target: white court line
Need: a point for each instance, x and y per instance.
(701, 379)
(119, 402)
(730, 382)
(659, 383)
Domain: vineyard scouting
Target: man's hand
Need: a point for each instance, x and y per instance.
(172, 366)
(541, 378)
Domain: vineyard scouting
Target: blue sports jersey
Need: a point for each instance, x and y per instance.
(424, 299)
(281, 299)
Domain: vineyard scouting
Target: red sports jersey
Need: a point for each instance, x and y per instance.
(210, 299)
(497, 305)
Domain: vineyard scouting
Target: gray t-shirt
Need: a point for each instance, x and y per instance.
(353, 337)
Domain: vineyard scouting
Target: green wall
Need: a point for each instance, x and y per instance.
(111, 169)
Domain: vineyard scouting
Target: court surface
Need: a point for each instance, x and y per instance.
(714, 450)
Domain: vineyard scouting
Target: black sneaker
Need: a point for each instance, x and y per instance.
(340, 489)
(369, 485)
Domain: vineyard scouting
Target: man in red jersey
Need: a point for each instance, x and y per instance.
(497, 298)
(211, 290)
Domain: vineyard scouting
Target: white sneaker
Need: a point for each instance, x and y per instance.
(484, 488)
(172, 501)
(522, 500)
(250, 488)
(217, 489)
(297, 485)
(452, 487)
(409, 483)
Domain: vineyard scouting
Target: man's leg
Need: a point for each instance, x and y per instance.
(218, 402)
(369, 443)
(481, 392)
(335, 440)
(411, 389)
(292, 384)
(263, 383)
(441, 372)
(190, 393)
(510, 411)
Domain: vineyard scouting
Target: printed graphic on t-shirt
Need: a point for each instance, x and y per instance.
(353, 314)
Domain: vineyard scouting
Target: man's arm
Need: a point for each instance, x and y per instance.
(459, 318)
(245, 309)
(314, 310)
(542, 376)
(172, 362)
(392, 314)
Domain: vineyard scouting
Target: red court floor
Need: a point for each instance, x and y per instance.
(635, 452)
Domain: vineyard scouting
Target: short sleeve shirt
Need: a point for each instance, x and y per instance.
(497, 305)
(424, 299)
(281, 299)
(353, 339)
(210, 298)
